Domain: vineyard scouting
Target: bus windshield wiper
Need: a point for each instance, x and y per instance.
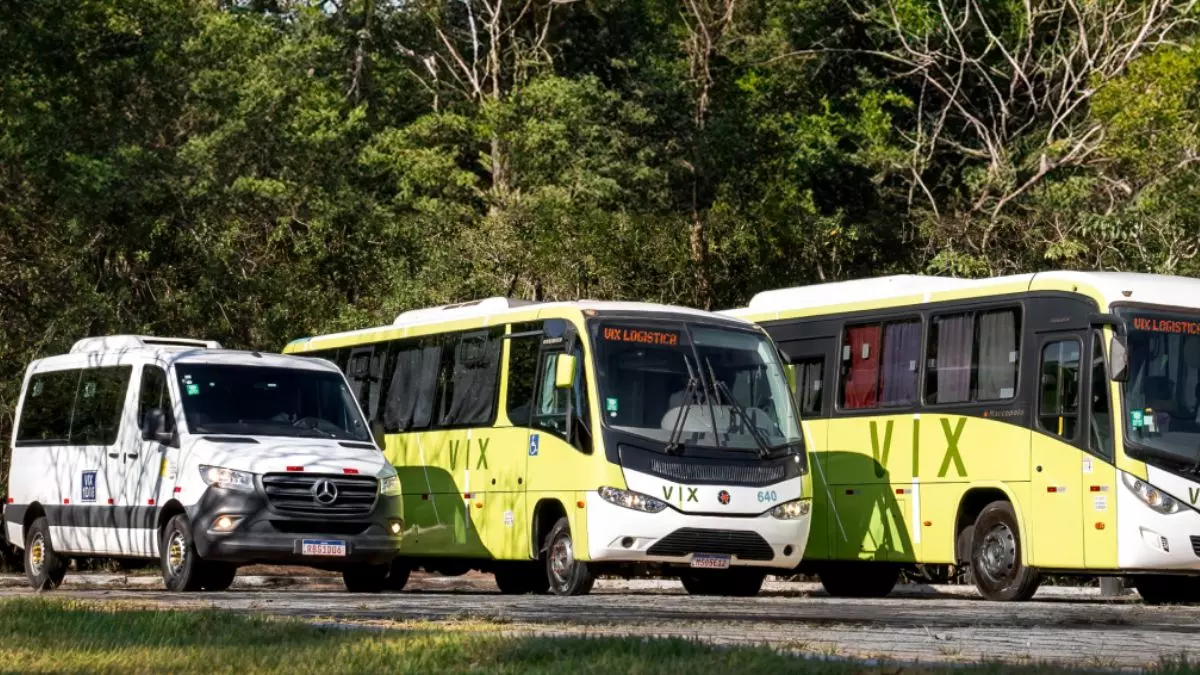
(764, 448)
(693, 383)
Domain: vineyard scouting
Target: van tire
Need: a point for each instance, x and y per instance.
(996, 556)
(397, 577)
(46, 574)
(218, 576)
(366, 578)
(182, 569)
(859, 579)
(734, 583)
(564, 573)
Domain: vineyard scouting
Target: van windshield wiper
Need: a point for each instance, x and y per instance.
(689, 392)
(764, 448)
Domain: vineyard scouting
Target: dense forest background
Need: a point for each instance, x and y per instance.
(254, 170)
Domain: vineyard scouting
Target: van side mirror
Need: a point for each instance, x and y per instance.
(1118, 359)
(154, 427)
(564, 371)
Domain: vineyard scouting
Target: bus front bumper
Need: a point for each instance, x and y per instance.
(620, 535)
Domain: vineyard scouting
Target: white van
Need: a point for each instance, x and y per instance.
(143, 447)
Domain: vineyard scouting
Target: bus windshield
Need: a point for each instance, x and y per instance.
(691, 385)
(266, 401)
(1162, 394)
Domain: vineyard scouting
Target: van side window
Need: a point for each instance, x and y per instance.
(99, 402)
(153, 393)
(46, 414)
(522, 372)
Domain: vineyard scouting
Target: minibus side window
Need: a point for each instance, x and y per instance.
(522, 371)
(810, 383)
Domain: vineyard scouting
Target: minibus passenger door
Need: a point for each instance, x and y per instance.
(1055, 527)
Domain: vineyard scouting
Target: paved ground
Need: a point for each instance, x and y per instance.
(923, 624)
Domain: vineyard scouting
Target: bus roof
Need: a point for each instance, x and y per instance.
(1105, 288)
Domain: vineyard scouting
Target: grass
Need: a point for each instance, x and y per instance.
(43, 635)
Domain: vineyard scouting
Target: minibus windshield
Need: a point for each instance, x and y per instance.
(266, 401)
(688, 385)
(1162, 393)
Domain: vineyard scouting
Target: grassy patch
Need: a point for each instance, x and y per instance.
(39, 635)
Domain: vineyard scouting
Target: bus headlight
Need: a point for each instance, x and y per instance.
(1151, 496)
(792, 510)
(632, 500)
(230, 479)
(389, 486)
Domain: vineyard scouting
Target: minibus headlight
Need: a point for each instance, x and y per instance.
(792, 510)
(632, 500)
(1151, 496)
(389, 486)
(220, 477)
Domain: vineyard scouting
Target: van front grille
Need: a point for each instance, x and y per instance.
(320, 494)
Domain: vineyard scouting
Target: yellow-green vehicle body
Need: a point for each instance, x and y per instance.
(925, 399)
(496, 436)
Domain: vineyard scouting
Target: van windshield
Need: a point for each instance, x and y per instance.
(265, 401)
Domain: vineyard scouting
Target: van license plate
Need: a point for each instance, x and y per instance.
(325, 547)
(710, 561)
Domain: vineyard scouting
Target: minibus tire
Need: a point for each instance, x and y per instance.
(366, 578)
(49, 574)
(218, 576)
(996, 565)
(565, 574)
(183, 570)
(859, 579)
(734, 583)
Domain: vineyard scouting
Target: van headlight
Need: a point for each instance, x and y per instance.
(1151, 496)
(389, 486)
(632, 500)
(220, 477)
(792, 510)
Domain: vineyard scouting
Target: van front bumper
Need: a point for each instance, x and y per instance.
(262, 535)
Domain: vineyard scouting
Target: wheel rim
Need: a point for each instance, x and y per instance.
(37, 554)
(176, 553)
(998, 554)
(562, 559)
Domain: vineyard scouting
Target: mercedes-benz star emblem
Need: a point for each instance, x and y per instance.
(325, 492)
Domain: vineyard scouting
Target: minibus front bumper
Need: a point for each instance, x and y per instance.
(241, 527)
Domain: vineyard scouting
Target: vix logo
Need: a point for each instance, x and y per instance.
(880, 449)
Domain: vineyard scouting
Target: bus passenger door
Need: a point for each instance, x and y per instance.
(1055, 528)
(1099, 493)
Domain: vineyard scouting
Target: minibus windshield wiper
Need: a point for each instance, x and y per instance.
(689, 392)
(764, 449)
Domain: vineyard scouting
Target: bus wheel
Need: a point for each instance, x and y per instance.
(44, 568)
(366, 578)
(219, 576)
(182, 569)
(566, 575)
(737, 583)
(859, 580)
(521, 578)
(1166, 589)
(996, 556)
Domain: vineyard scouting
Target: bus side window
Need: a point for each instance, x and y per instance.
(522, 372)
(1058, 411)
(810, 384)
(551, 405)
(1100, 441)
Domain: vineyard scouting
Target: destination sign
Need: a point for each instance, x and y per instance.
(644, 337)
(1166, 326)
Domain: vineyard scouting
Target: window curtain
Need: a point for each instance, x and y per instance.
(862, 379)
(954, 359)
(410, 397)
(997, 355)
(901, 351)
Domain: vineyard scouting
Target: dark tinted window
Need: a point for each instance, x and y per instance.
(810, 383)
(46, 414)
(153, 393)
(1101, 436)
(470, 378)
(1058, 406)
(522, 372)
(412, 390)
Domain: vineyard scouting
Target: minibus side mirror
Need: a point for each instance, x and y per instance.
(154, 427)
(564, 371)
(1118, 359)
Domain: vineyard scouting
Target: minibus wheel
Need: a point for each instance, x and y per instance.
(182, 568)
(520, 578)
(736, 583)
(996, 564)
(859, 579)
(366, 578)
(44, 568)
(567, 576)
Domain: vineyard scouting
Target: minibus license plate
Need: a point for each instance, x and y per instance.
(325, 547)
(710, 561)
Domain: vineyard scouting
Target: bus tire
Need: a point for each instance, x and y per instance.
(735, 583)
(182, 569)
(366, 578)
(996, 564)
(218, 576)
(565, 574)
(859, 579)
(397, 577)
(44, 568)
(1167, 589)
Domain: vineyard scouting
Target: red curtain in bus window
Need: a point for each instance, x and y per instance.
(862, 378)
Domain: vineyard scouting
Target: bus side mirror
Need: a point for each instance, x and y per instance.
(564, 371)
(1118, 359)
(154, 427)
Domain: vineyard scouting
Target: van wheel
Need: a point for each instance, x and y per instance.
(44, 568)
(521, 578)
(397, 577)
(366, 578)
(565, 574)
(182, 569)
(996, 563)
(859, 579)
(218, 576)
(731, 583)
